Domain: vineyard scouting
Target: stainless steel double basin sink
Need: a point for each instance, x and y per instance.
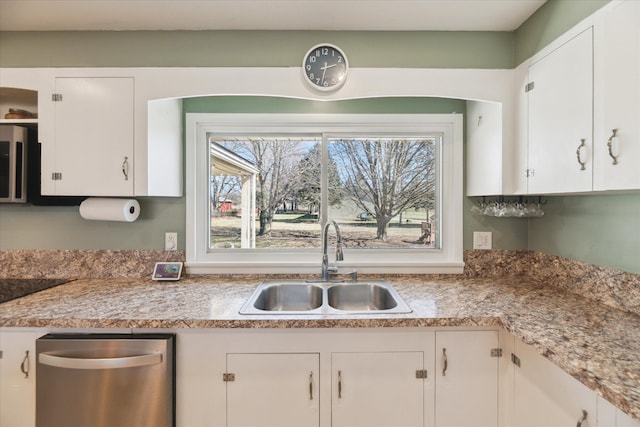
(315, 297)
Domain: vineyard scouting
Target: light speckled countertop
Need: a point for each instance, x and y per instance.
(597, 344)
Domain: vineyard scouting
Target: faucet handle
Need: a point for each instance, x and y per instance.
(333, 272)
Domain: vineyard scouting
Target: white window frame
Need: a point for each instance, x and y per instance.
(446, 259)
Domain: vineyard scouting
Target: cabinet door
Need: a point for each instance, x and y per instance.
(547, 396)
(277, 390)
(18, 378)
(94, 137)
(377, 389)
(624, 420)
(484, 148)
(466, 379)
(617, 67)
(561, 117)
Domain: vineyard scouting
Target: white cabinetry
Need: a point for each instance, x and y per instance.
(485, 147)
(18, 378)
(610, 416)
(544, 395)
(466, 378)
(617, 97)
(273, 390)
(560, 92)
(105, 115)
(93, 149)
(377, 389)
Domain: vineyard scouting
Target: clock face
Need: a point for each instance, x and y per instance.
(325, 67)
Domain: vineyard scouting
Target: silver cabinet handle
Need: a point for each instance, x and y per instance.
(445, 362)
(25, 366)
(311, 385)
(339, 384)
(582, 419)
(100, 363)
(582, 145)
(125, 168)
(610, 146)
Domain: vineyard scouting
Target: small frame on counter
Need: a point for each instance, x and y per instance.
(167, 271)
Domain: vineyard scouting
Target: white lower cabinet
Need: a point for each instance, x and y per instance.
(377, 389)
(273, 390)
(610, 416)
(544, 395)
(466, 378)
(18, 378)
(345, 378)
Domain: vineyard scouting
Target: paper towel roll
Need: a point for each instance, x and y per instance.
(106, 209)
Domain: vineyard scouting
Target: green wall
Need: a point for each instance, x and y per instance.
(402, 49)
(600, 229)
(549, 22)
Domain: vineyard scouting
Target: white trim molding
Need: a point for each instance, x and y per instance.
(447, 259)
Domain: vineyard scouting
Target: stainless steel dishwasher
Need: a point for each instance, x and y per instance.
(105, 380)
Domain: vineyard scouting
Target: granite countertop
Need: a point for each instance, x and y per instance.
(590, 341)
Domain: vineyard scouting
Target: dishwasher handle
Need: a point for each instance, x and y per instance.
(100, 363)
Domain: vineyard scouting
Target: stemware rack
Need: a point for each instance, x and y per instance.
(510, 207)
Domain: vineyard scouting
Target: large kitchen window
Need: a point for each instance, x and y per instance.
(260, 188)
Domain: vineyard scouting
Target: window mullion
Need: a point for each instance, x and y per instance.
(324, 181)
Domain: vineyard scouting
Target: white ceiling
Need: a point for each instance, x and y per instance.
(375, 15)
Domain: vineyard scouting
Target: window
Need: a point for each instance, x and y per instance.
(262, 185)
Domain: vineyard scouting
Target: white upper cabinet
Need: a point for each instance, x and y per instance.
(576, 115)
(103, 131)
(93, 148)
(617, 97)
(560, 97)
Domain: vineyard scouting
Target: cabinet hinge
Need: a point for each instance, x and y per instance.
(530, 172)
(56, 176)
(421, 374)
(496, 352)
(228, 377)
(56, 97)
(529, 87)
(515, 360)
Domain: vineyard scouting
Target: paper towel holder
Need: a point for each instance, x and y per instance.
(110, 209)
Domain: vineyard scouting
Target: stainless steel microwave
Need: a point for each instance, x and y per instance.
(13, 164)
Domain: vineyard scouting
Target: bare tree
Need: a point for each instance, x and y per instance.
(308, 180)
(385, 176)
(275, 159)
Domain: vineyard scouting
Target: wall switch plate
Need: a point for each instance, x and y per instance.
(481, 240)
(171, 241)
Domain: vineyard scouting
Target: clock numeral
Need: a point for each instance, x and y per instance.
(325, 51)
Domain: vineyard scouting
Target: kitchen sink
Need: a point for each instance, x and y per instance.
(361, 297)
(288, 297)
(276, 297)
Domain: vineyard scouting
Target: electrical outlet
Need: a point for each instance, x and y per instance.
(481, 240)
(171, 241)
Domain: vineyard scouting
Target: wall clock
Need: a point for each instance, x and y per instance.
(325, 67)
